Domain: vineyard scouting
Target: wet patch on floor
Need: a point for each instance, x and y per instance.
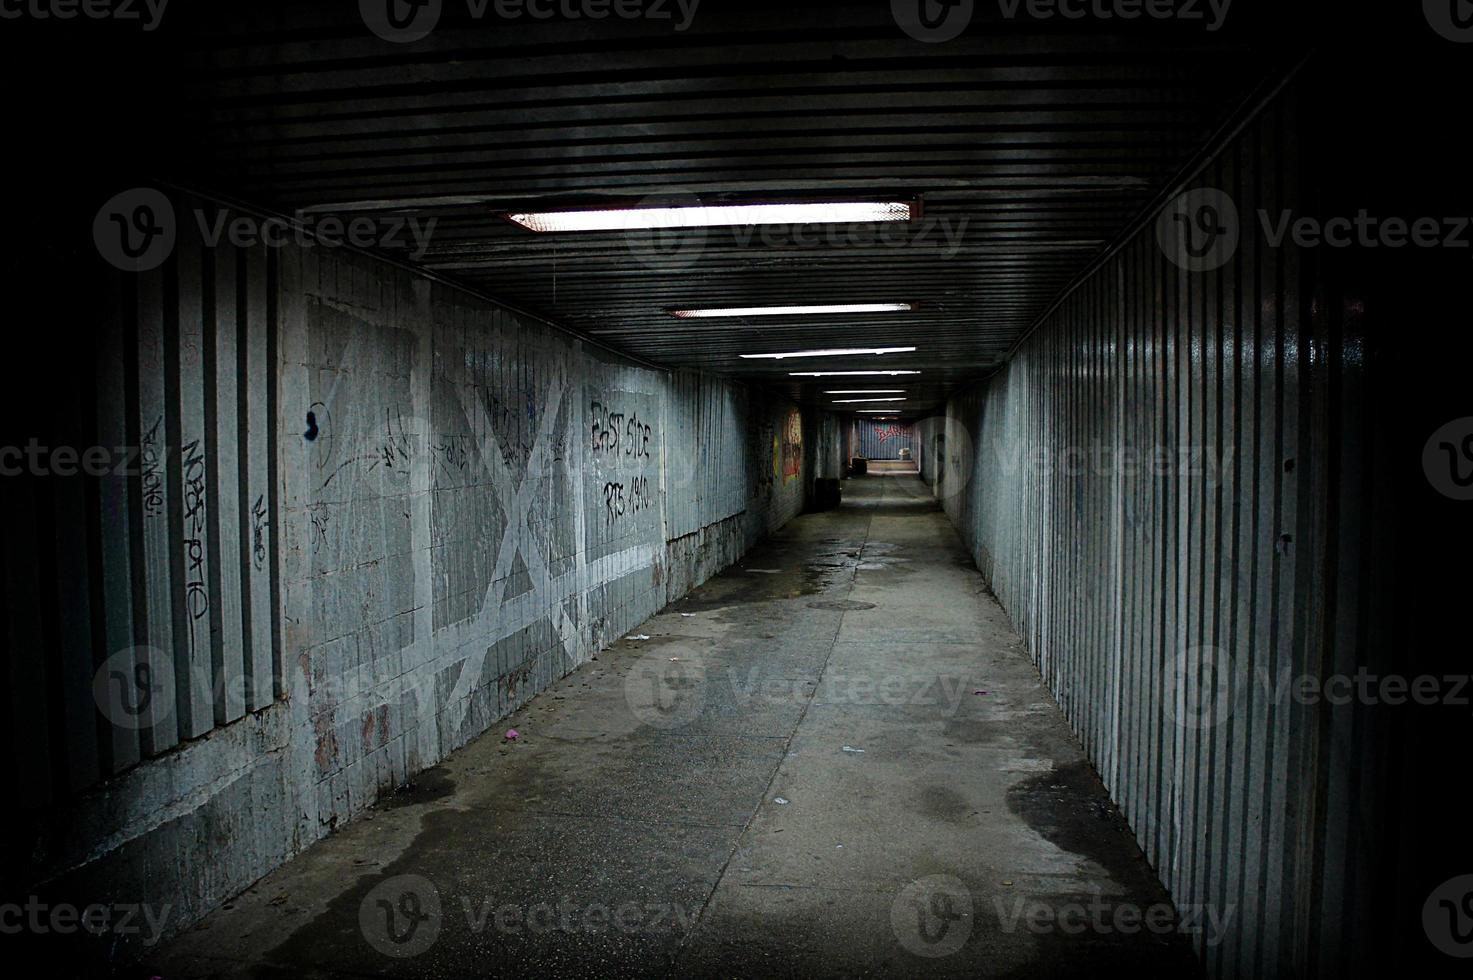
(980, 731)
(1069, 807)
(944, 804)
(779, 579)
(426, 787)
(598, 805)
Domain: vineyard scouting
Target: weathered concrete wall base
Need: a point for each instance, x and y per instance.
(464, 508)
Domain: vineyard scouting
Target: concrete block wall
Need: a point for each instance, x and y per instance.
(452, 506)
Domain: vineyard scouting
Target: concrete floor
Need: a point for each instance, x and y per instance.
(834, 759)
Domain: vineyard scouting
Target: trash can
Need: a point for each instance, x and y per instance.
(826, 493)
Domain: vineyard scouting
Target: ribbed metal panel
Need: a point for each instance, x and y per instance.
(151, 589)
(703, 489)
(1157, 476)
(884, 440)
(1031, 142)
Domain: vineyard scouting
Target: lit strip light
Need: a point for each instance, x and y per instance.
(843, 374)
(871, 411)
(715, 215)
(835, 352)
(866, 391)
(866, 401)
(795, 310)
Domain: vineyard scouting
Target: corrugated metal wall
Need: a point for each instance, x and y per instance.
(159, 575)
(702, 412)
(883, 440)
(1169, 494)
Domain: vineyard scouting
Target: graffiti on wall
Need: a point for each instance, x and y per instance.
(887, 432)
(883, 440)
(623, 481)
(792, 446)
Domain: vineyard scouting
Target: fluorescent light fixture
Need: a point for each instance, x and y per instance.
(715, 215)
(866, 401)
(835, 352)
(795, 310)
(843, 374)
(871, 411)
(866, 391)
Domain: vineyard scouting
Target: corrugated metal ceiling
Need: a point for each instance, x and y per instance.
(1031, 143)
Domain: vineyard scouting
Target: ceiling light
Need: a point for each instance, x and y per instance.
(795, 310)
(866, 391)
(835, 352)
(871, 411)
(865, 401)
(714, 215)
(843, 374)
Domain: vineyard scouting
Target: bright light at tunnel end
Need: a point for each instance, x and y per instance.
(795, 310)
(830, 352)
(715, 215)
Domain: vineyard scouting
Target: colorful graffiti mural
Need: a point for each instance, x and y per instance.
(792, 448)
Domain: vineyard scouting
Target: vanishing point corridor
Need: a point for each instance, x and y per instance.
(832, 759)
(711, 488)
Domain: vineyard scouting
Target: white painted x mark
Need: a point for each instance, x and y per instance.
(518, 535)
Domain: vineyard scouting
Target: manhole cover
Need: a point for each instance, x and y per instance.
(841, 605)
